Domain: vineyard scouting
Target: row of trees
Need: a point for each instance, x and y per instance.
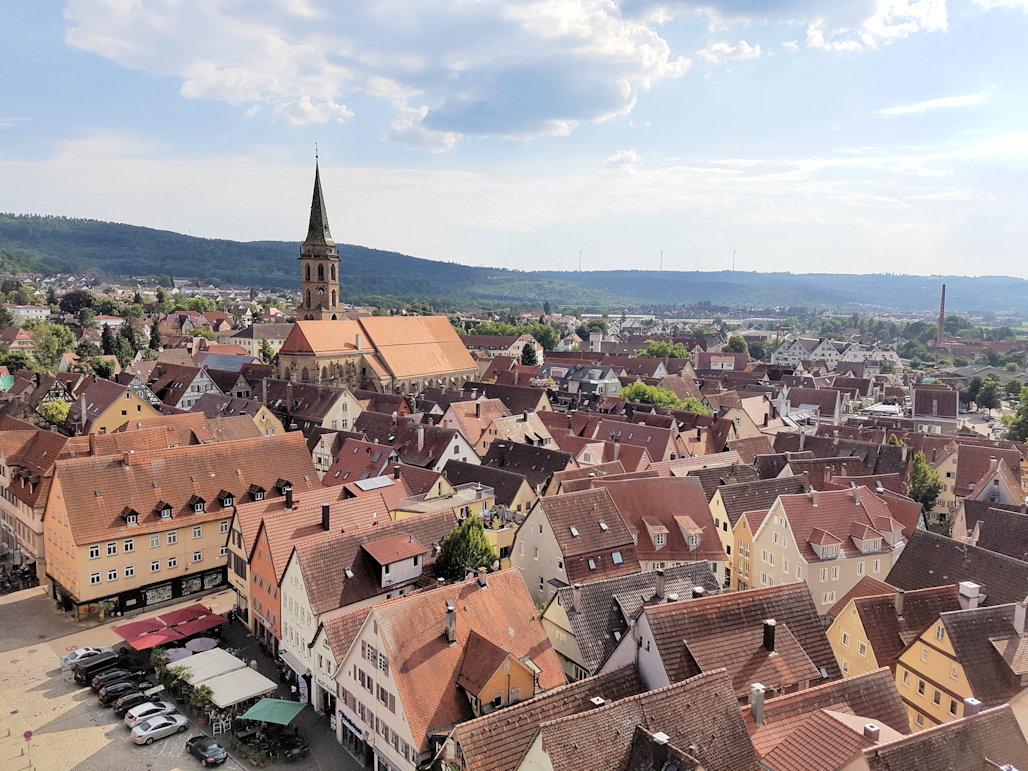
(662, 397)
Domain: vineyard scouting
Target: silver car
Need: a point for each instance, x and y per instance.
(159, 727)
(143, 712)
(83, 654)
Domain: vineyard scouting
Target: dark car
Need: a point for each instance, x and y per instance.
(206, 750)
(128, 701)
(115, 675)
(111, 693)
(85, 671)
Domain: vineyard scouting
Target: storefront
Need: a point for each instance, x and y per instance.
(152, 594)
(352, 738)
(323, 696)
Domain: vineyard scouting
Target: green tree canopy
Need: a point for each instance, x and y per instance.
(758, 350)
(662, 397)
(924, 486)
(736, 344)
(1017, 425)
(267, 351)
(154, 343)
(528, 355)
(51, 341)
(464, 548)
(663, 350)
(991, 393)
(54, 411)
(1013, 387)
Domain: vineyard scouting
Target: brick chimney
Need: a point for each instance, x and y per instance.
(450, 622)
(757, 703)
(856, 496)
(769, 634)
(289, 497)
(1019, 614)
(660, 585)
(324, 517)
(576, 597)
(970, 595)
(478, 409)
(421, 438)
(897, 600)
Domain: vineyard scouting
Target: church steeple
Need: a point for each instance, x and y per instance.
(318, 233)
(319, 261)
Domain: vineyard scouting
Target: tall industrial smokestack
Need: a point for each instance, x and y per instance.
(942, 318)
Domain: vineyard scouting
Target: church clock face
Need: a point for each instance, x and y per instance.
(322, 288)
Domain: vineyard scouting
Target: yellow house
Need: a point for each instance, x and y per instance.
(102, 406)
(740, 559)
(493, 678)
(472, 499)
(965, 659)
(871, 631)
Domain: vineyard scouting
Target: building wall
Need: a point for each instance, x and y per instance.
(299, 625)
(128, 407)
(947, 502)
(538, 556)
(21, 526)
(238, 569)
(265, 597)
(639, 646)
(931, 661)
(742, 556)
(562, 638)
(850, 643)
(510, 683)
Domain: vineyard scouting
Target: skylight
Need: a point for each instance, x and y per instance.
(574, 531)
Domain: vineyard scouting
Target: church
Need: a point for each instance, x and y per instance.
(390, 354)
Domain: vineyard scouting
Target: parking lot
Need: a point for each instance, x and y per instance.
(69, 727)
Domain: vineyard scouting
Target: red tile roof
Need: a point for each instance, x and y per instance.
(832, 519)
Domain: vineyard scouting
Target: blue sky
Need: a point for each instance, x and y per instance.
(850, 136)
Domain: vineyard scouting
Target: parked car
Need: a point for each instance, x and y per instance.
(158, 727)
(128, 701)
(114, 675)
(86, 670)
(83, 654)
(111, 693)
(147, 710)
(206, 750)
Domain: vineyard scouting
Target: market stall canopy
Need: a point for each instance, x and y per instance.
(147, 633)
(201, 644)
(279, 711)
(237, 686)
(182, 615)
(169, 627)
(177, 654)
(213, 663)
(202, 624)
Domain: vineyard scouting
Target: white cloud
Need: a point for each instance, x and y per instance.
(722, 50)
(969, 100)
(623, 161)
(988, 4)
(11, 122)
(488, 68)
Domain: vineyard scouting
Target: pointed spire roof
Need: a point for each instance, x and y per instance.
(318, 233)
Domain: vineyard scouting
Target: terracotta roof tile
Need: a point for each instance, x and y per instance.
(392, 548)
(537, 464)
(758, 495)
(750, 447)
(720, 476)
(890, 633)
(970, 634)
(832, 518)
(721, 459)
(865, 587)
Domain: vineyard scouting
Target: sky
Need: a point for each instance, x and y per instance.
(854, 136)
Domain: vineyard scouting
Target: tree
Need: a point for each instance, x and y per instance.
(1017, 424)
(76, 300)
(924, 486)
(662, 397)
(989, 396)
(54, 411)
(663, 350)
(969, 394)
(267, 352)
(200, 697)
(87, 349)
(1013, 387)
(207, 334)
(51, 341)
(736, 344)
(15, 360)
(107, 342)
(464, 548)
(528, 355)
(102, 368)
(6, 318)
(137, 298)
(155, 334)
(758, 350)
(895, 440)
(546, 308)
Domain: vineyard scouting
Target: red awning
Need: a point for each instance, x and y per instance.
(143, 635)
(198, 625)
(182, 615)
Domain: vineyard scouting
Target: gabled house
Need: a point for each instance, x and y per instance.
(417, 444)
(934, 410)
(305, 406)
(215, 406)
(536, 464)
(180, 386)
(101, 406)
(572, 538)
(415, 668)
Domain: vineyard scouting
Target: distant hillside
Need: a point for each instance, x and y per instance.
(33, 243)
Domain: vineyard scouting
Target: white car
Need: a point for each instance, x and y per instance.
(144, 712)
(83, 654)
(159, 727)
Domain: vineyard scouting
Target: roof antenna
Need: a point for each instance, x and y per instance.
(315, 152)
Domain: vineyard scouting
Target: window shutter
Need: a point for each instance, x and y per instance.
(392, 703)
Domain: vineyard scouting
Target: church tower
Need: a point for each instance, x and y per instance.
(319, 264)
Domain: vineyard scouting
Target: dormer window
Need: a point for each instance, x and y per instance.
(131, 519)
(198, 504)
(198, 507)
(226, 498)
(256, 492)
(166, 513)
(660, 539)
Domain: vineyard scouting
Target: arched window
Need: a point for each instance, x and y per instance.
(333, 293)
(308, 298)
(333, 317)
(307, 268)
(305, 376)
(333, 272)
(324, 374)
(321, 272)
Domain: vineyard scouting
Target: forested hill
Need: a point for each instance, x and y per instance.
(57, 244)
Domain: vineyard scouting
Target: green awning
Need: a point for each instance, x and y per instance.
(278, 711)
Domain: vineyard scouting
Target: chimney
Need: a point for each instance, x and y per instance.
(524, 416)
(872, 731)
(289, 497)
(324, 517)
(970, 595)
(617, 450)
(126, 458)
(1019, 613)
(576, 597)
(769, 634)
(660, 585)
(478, 409)
(698, 591)
(813, 497)
(396, 471)
(264, 390)
(897, 601)
(757, 703)
(993, 463)
(357, 341)
(972, 706)
(82, 412)
(659, 754)
(92, 444)
(421, 438)
(942, 318)
(856, 496)
(483, 578)
(451, 622)
(597, 701)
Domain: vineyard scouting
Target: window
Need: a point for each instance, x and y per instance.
(920, 687)
(940, 633)
(876, 566)
(223, 526)
(155, 541)
(845, 666)
(223, 551)
(862, 650)
(197, 531)
(112, 548)
(785, 566)
(824, 574)
(197, 556)
(774, 538)
(535, 552)
(616, 556)
(827, 598)
(94, 578)
(953, 707)
(906, 679)
(94, 551)
(835, 572)
(541, 583)
(172, 537)
(198, 507)
(799, 573)
(128, 545)
(172, 562)
(130, 570)
(860, 568)
(846, 639)
(919, 719)
(936, 697)
(112, 575)
(952, 671)
(155, 565)
(924, 654)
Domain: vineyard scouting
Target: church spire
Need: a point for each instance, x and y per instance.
(318, 233)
